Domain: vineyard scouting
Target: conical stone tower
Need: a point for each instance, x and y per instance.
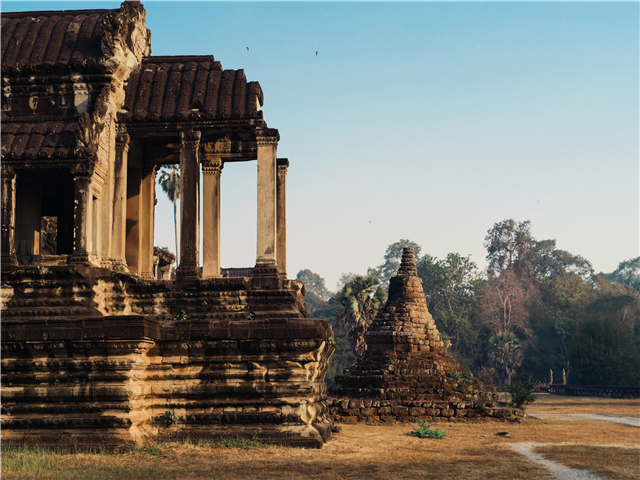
(406, 370)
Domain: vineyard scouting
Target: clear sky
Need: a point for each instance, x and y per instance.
(425, 121)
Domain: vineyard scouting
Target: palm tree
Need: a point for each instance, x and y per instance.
(169, 181)
(361, 298)
(505, 351)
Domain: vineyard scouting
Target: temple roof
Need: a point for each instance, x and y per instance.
(189, 88)
(39, 141)
(59, 67)
(35, 41)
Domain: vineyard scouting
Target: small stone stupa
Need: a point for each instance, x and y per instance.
(406, 370)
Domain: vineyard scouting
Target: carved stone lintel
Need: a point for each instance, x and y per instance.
(190, 139)
(213, 167)
(282, 166)
(266, 141)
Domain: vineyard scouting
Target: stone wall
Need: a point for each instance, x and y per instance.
(350, 410)
(611, 391)
(92, 358)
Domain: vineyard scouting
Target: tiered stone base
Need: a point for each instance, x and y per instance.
(225, 359)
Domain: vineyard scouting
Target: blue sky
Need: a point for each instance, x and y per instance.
(427, 121)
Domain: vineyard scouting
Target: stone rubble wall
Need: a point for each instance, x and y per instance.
(610, 391)
(349, 410)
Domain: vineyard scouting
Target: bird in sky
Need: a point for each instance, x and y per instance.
(247, 49)
(316, 54)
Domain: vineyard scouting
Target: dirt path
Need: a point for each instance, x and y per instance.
(556, 469)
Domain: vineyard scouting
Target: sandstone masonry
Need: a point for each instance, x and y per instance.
(406, 371)
(99, 346)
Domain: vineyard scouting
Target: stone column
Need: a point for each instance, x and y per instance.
(211, 218)
(8, 217)
(81, 215)
(266, 256)
(281, 219)
(119, 229)
(189, 269)
(133, 235)
(147, 210)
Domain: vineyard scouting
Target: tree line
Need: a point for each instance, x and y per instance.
(535, 308)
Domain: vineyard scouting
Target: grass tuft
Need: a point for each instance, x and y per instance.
(425, 430)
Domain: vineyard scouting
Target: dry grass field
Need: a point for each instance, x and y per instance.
(469, 451)
(614, 407)
(609, 462)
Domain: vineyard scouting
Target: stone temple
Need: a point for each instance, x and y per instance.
(406, 370)
(98, 347)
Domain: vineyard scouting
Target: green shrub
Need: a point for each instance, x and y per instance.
(464, 380)
(181, 317)
(170, 418)
(522, 393)
(425, 430)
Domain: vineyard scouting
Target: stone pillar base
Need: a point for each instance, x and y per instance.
(106, 262)
(186, 276)
(266, 277)
(118, 265)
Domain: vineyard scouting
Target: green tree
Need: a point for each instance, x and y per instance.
(548, 262)
(503, 304)
(451, 286)
(360, 300)
(627, 273)
(606, 347)
(603, 353)
(505, 352)
(508, 245)
(392, 258)
(169, 181)
(317, 293)
(620, 301)
(566, 296)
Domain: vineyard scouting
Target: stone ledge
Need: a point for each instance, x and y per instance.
(121, 327)
(129, 327)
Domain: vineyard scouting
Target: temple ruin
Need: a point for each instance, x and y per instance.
(406, 371)
(100, 347)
